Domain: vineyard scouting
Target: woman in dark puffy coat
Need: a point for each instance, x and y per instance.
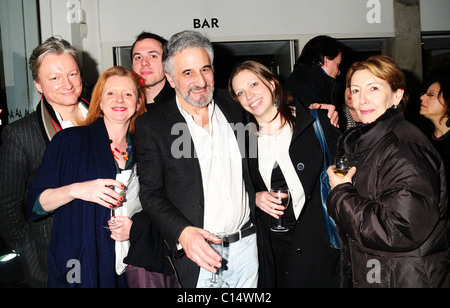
(391, 210)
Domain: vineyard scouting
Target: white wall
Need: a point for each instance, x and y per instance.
(111, 23)
(434, 15)
(95, 26)
(249, 18)
(243, 20)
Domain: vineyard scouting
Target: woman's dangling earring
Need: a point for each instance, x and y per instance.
(276, 104)
(247, 116)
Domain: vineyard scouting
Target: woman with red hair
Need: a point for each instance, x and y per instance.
(74, 184)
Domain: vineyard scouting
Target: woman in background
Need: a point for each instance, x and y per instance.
(435, 107)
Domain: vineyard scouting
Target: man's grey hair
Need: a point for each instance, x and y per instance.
(184, 40)
(53, 46)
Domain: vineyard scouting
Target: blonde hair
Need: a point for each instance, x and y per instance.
(52, 46)
(94, 108)
(382, 67)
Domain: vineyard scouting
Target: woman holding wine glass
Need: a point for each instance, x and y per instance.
(86, 163)
(297, 251)
(391, 210)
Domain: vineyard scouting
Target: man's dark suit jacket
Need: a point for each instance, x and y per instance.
(171, 187)
(23, 145)
(166, 93)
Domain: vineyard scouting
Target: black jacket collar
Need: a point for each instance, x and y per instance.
(358, 139)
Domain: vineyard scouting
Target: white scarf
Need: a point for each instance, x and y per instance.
(275, 149)
(130, 206)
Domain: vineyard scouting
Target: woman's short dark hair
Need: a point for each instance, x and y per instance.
(442, 76)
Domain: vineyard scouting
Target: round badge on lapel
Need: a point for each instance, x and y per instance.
(300, 166)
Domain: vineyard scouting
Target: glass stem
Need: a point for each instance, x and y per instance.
(112, 215)
(280, 223)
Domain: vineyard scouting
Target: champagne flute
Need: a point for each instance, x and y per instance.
(114, 207)
(342, 165)
(284, 196)
(216, 280)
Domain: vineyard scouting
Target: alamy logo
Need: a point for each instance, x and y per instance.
(182, 146)
(74, 274)
(374, 274)
(75, 13)
(374, 14)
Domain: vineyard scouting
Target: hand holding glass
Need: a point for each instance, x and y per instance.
(342, 165)
(121, 192)
(216, 281)
(284, 196)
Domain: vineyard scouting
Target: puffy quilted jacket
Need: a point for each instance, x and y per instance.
(393, 221)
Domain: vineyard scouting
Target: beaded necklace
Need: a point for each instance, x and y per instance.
(124, 154)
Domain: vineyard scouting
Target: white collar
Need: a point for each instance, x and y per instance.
(68, 123)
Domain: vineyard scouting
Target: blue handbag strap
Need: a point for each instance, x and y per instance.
(320, 135)
(329, 222)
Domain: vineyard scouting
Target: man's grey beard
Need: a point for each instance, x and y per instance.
(203, 101)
